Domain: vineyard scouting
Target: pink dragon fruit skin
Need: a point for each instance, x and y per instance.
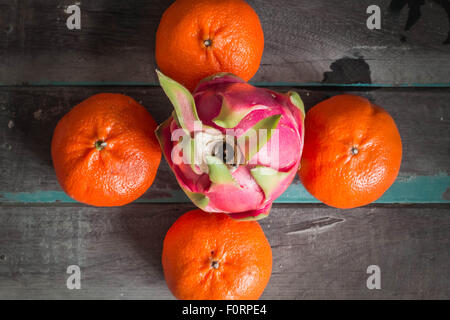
(246, 188)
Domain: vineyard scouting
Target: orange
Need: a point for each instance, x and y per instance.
(104, 150)
(352, 151)
(210, 256)
(198, 38)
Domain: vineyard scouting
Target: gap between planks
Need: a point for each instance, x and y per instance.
(258, 84)
(190, 204)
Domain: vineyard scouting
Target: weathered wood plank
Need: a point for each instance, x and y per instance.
(29, 115)
(318, 252)
(305, 42)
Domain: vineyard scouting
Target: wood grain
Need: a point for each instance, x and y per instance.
(306, 42)
(119, 249)
(29, 115)
(322, 47)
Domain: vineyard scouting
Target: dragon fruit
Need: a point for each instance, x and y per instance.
(233, 147)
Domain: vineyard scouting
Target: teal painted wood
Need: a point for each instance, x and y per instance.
(29, 115)
(413, 189)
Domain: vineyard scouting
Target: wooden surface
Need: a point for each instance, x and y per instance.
(318, 48)
(34, 112)
(305, 42)
(318, 252)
